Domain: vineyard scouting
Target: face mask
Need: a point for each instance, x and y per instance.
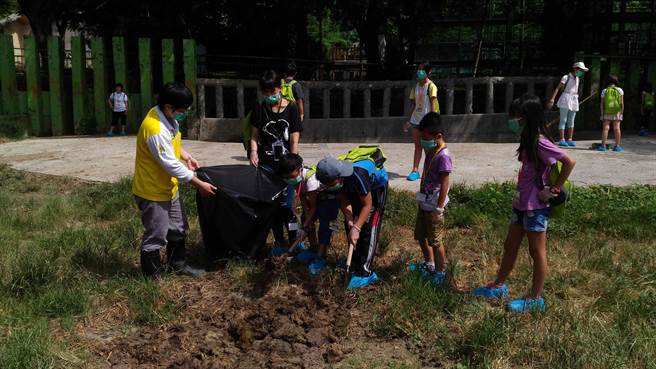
(180, 116)
(335, 188)
(428, 144)
(513, 125)
(294, 181)
(421, 74)
(272, 100)
(580, 73)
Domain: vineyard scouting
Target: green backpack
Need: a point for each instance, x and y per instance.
(558, 210)
(368, 157)
(286, 90)
(612, 101)
(648, 102)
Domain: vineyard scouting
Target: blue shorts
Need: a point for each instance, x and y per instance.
(531, 220)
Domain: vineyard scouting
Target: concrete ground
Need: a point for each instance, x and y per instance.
(108, 159)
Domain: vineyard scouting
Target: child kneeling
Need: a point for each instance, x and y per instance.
(432, 198)
(531, 207)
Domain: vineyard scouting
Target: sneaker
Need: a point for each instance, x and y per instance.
(306, 256)
(359, 282)
(301, 246)
(277, 251)
(438, 278)
(491, 291)
(317, 265)
(601, 148)
(563, 143)
(110, 134)
(523, 305)
(421, 267)
(413, 176)
(618, 149)
(571, 143)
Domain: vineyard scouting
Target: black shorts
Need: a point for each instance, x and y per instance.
(119, 115)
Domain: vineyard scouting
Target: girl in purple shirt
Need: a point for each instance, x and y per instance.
(531, 208)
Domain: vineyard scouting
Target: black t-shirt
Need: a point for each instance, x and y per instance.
(356, 185)
(274, 129)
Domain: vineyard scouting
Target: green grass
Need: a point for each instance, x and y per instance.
(69, 250)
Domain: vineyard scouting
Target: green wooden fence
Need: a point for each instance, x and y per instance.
(84, 109)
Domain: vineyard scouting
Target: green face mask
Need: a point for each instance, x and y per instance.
(335, 188)
(272, 100)
(428, 144)
(421, 74)
(294, 181)
(180, 116)
(580, 73)
(514, 126)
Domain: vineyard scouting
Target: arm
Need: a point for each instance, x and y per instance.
(560, 86)
(444, 190)
(293, 142)
(565, 171)
(111, 102)
(127, 103)
(310, 208)
(347, 210)
(188, 159)
(253, 147)
(367, 204)
(432, 103)
(622, 104)
(301, 108)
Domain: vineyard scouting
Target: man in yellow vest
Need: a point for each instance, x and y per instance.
(158, 169)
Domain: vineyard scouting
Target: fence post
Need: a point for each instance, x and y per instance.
(145, 75)
(240, 100)
(55, 79)
(387, 101)
(595, 80)
(189, 67)
(33, 76)
(218, 94)
(121, 76)
(346, 109)
(306, 104)
(406, 101)
(326, 103)
(510, 93)
(367, 102)
(450, 92)
(651, 72)
(8, 75)
(469, 97)
(168, 60)
(99, 83)
(489, 97)
(634, 98)
(201, 101)
(615, 67)
(79, 87)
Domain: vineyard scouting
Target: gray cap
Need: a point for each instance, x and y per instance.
(329, 169)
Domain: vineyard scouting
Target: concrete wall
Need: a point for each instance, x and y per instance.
(461, 128)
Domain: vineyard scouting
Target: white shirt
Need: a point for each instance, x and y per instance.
(161, 148)
(569, 99)
(119, 100)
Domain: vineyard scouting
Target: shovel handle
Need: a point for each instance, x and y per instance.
(349, 257)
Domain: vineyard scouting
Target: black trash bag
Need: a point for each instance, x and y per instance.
(236, 221)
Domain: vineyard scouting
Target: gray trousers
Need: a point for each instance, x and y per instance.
(163, 221)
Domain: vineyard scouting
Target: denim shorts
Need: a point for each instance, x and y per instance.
(531, 220)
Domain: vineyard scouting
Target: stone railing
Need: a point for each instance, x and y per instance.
(448, 87)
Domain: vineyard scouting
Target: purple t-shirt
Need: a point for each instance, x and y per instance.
(441, 163)
(529, 179)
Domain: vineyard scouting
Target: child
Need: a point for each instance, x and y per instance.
(157, 171)
(568, 103)
(647, 102)
(118, 101)
(424, 100)
(292, 89)
(318, 203)
(433, 197)
(531, 208)
(276, 131)
(612, 110)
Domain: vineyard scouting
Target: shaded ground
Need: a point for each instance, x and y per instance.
(108, 159)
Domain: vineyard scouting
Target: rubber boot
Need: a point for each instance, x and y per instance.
(175, 257)
(151, 264)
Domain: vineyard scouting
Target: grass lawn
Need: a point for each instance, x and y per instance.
(69, 253)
